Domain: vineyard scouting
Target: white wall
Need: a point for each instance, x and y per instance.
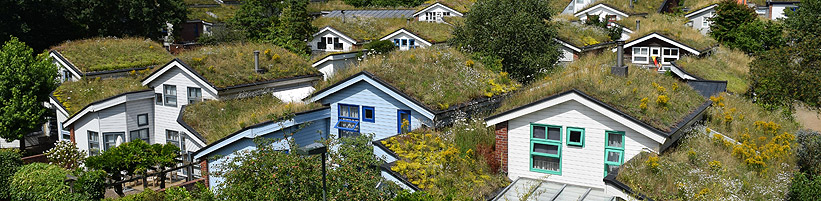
(437, 14)
(777, 10)
(118, 118)
(567, 54)
(166, 116)
(294, 93)
(346, 45)
(578, 5)
(601, 12)
(404, 36)
(698, 21)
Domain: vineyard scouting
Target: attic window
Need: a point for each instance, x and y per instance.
(575, 136)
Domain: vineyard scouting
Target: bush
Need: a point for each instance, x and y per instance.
(65, 154)
(39, 181)
(415, 196)
(10, 160)
(177, 193)
(202, 193)
(808, 152)
(91, 184)
(380, 47)
(805, 187)
(148, 195)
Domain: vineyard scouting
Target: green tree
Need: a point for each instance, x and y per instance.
(729, 16)
(10, 161)
(513, 30)
(39, 23)
(294, 28)
(738, 26)
(255, 16)
(805, 187)
(788, 75)
(91, 183)
(808, 152)
(135, 157)
(380, 47)
(805, 22)
(26, 81)
(127, 17)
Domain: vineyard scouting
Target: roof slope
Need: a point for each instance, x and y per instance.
(76, 95)
(639, 6)
(104, 54)
(723, 64)
(372, 13)
(674, 28)
(370, 28)
(581, 35)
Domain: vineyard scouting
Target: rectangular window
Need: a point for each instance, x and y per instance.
(321, 44)
(368, 114)
(141, 134)
(579, 1)
(640, 55)
(412, 42)
(669, 55)
(545, 149)
(170, 92)
(575, 136)
(613, 151)
(93, 143)
(194, 95)
(404, 42)
(349, 111)
(396, 42)
(142, 119)
(403, 121)
(337, 44)
(110, 139)
(348, 120)
(172, 137)
(705, 22)
(330, 40)
(158, 98)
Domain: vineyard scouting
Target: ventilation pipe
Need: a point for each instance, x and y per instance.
(631, 3)
(620, 69)
(638, 24)
(343, 15)
(256, 61)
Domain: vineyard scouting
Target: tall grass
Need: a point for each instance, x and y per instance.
(673, 27)
(639, 6)
(101, 54)
(233, 64)
(370, 28)
(699, 4)
(78, 94)
(724, 64)
(459, 5)
(223, 13)
(581, 35)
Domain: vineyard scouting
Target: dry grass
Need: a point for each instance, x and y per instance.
(438, 77)
(233, 64)
(591, 75)
(699, 4)
(462, 6)
(370, 28)
(673, 27)
(630, 22)
(222, 12)
(102, 54)
(559, 5)
(78, 94)
(216, 119)
(581, 35)
(724, 64)
(640, 6)
(459, 5)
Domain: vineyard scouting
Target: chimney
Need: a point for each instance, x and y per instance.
(638, 24)
(256, 61)
(620, 69)
(631, 3)
(343, 15)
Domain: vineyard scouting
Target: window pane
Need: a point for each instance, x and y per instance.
(610, 168)
(539, 132)
(613, 156)
(554, 133)
(575, 136)
(344, 133)
(369, 114)
(546, 163)
(614, 140)
(546, 148)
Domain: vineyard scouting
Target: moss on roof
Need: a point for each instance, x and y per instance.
(559, 5)
(581, 35)
(438, 77)
(76, 95)
(459, 5)
(370, 28)
(462, 6)
(639, 6)
(233, 64)
(695, 5)
(724, 64)
(641, 94)
(103, 54)
(630, 22)
(215, 119)
(675, 28)
(220, 13)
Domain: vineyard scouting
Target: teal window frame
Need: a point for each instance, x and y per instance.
(557, 143)
(608, 149)
(581, 139)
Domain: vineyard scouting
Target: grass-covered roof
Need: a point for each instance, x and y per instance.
(438, 77)
(694, 5)
(675, 28)
(639, 6)
(215, 120)
(233, 64)
(580, 35)
(74, 96)
(459, 5)
(104, 54)
(724, 64)
(658, 100)
(220, 13)
(370, 28)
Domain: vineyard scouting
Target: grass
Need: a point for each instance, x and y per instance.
(320, 55)
(673, 27)
(459, 5)
(630, 22)
(591, 75)
(199, 2)
(439, 77)
(103, 54)
(581, 35)
(704, 167)
(463, 6)
(724, 64)
(233, 64)
(215, 120)
(222, 12)
(699, 4)
(639, 6)
(74, 96)
(369, 28)
(559, 5)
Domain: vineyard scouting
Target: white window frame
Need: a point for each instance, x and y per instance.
(666, 56)
(639, 52)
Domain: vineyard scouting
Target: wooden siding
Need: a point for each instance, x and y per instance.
(166, 116)
(138, 107)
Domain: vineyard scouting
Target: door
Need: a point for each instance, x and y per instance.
(403, 122)
(655, 53)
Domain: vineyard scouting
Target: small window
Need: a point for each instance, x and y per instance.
(93, 143)
(194, 95)
(404, 42)
(547, 132)
(396, 42)
(158, 98)
(368, 114)
(545, 149)
(110, 139)
(330, 40)
(640, 55)
(172, 137)
(141, 134)
(403, 121)
(412, 42)
(615, 140)
(347, 125)
(142, 119)
(613, 151)
(349, 111)
(170, 92)
(575, 136)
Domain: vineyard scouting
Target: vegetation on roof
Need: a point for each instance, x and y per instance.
(580, 35)
(630, 22)
(639, 6)
(695, 5)
(658, 100)
(673, 27)
(463, 6)
(756, 164)
(215, 120)
(220, 13)
(724, 64)
(103, 54)
(559, 5)
(438, 77)
(199, 2)
(321, 55)
(370, 28)
(233, 64)
(76, 95)
(459, 5)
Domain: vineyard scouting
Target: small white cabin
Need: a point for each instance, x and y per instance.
(664, 50)
(700, 19)
(436, 13)
(405, 40)
(329, 39)
(604, 11)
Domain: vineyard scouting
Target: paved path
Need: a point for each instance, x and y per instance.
(809, 119)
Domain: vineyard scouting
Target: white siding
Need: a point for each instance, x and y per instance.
(580, 166)
(335, 64)
(294, 93)
(437, 12)
(778, 10)
(113, 119)
(699, 20)
(404, 36)
(89, 122)
(138, 107)
(567, 54)
(601, 12)
(166, 116)
(578, 5)
(346, 45)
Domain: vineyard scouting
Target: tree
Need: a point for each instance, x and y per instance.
(10, 161)
(294, 28)
(738, 26)
(788, 75)
(128, 17)
(135, 157)
(91, 183)
(614, 32)
(66, 155)
(255, 16)
(729, 16)
(513, 30)
(805, 22)
(39, 23)
(26, 81)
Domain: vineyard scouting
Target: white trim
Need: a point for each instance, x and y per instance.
(332, 57)
(177, 64)
(59, 106)
(332, 30)
(603, 6)
(681, 73)
(665, 39)
(64, 64)
(363, 77)
(700, 11)
(397, 32)
(114, 101)
(434, 5)
(568, 45)
(584, 101)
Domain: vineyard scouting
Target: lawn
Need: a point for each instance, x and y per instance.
(103, 54)
(369, 28)
(233, 64)
(658, 100)
(216, 119)
(222, 12)
(639, 6)
(439, 77)
(581, 35)
(724, 64)
(675, 28)
(74, 96)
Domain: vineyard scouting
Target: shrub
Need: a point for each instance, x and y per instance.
(10, 161)
(65, 154)
(380, 47)
(808, 152)
(92, 184)
(415, 196)
(147, 195)
(805, 187)
(39, 181)
(177, 193)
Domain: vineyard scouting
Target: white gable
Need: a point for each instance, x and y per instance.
(438, 7)
(177, 64)
(665, 39)
(385, 89)
(601, 10)
(335, 33)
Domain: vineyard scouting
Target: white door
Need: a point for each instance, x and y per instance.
(655, 52)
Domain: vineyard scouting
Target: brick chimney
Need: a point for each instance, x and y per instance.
(501, 146)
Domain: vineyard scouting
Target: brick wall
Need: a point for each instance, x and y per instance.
(204, 172)
(501, 145)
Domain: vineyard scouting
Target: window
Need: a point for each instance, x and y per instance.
(412, 42)
(404, 42)
(330, 40)
(348, 120)
(396, 42)
(337, 44)
(575, 136)
(194, 95)
(403, 121)
(349, 111)
(93, 143)
(546, 149)
(142, 119)
(66, 75)
(172, 137)
(158, 98)
(141, 134)
(321, 44)
(640, 55)
(669, 55)
(613, 151)
(705, 22)
(368, 114)
(579, 1)
(170, 92)
(110, 139)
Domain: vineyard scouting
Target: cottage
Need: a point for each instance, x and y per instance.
(405, 40)
(577, 39)
(657, 51)
(331, 40)
(603, 12)
(331, 63)
(106, 57)
(436, 13)
(348, 34)
(193, 29)
(776, 9)
(700, 19)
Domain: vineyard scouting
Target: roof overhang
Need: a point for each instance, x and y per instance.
(108, 103)
(441, 5)
(59, 107)
(665, 39)
(696, 12)
(177, 63)
(602, 6)
(335, 56)
(403, 30)
(64, 62)
(568, 45)
(337, 32)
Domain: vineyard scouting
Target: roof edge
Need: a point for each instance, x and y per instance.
(99, 101)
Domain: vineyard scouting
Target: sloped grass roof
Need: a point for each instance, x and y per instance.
(675, 28)
(103, 54)
(215, 119)
(74, 96)
(439, 77)
(233, 64)
(699, 4)
(459, 5)
(641, 94)
(221, 13)
(724, 64)
(639, 6)
(369, 28)
(581, 35)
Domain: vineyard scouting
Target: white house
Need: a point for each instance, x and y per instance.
(329, 39)
(335, 62)
(405, 40)
(604, 11)
(577, 5)
(700, 19)
(436, 13)
(778, 8)
(664, 50)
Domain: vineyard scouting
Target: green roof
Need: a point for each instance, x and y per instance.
(76, 95)
(459, 5)
(221, 13)
(723, 64)
(215, 119)
(369, 28)
(438, 77)
(104, 54)
(695, 5)
(639, 6)
(581, 35)
(233, 64)
(675, 28)
(623, 93)
(199, 2)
